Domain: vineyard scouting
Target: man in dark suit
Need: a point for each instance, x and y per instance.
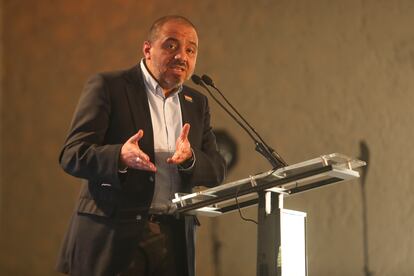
(137, 137)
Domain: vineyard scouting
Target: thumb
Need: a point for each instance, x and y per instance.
(184, 131)
(136, 137)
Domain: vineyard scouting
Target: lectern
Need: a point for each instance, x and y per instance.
(281, 233)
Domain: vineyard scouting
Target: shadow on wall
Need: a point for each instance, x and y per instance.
(364, 155)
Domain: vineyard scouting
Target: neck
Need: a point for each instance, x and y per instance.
(168, 92)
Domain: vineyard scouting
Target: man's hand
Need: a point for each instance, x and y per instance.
(182, 147)
(133, 157)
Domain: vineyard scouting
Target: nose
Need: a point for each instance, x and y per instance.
(181, 54)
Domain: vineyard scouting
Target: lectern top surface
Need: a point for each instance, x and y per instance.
(294, 178)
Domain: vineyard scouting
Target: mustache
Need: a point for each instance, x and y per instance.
(178, 63)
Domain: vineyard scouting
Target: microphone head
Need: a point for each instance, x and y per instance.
(196, 79)
(207, 80)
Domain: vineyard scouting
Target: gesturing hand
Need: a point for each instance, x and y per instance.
(133, 157)
(182, 147)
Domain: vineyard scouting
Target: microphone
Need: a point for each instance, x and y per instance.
(197, 80)
(270, 154)
(207, 80)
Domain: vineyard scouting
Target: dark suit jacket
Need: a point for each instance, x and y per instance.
(112, 107)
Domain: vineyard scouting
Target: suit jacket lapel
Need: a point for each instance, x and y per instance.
(187, 110)
(140, 112)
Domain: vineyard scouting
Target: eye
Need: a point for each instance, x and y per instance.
(172, 46)
(191, 51)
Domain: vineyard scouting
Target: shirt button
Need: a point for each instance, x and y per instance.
(151, 178)
(138, 217)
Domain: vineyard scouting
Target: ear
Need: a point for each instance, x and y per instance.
(146, 47)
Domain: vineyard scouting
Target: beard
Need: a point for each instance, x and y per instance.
(170, 75)
(169, 79)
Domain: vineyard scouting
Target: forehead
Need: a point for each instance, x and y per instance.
(178, 30)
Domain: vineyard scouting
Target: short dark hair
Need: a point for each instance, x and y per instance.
(156, 26)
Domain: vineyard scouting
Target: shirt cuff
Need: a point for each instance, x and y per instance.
(187, 165)
(124, 170)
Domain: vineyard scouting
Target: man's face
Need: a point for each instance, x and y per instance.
(172, 56)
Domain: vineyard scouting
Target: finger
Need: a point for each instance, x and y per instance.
(144, 165)
(184, 131)
(136, 137)
(143, 156)
(149, 166)
(175, 159)
(172, 160)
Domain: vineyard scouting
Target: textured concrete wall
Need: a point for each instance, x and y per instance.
(313, 76)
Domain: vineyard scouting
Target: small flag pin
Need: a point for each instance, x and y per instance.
(188, 98)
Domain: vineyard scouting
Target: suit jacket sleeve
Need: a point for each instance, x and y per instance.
(84, 154)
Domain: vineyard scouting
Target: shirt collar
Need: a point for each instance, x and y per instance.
(151, 84)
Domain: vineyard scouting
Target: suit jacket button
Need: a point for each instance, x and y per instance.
(151, 178)
(138, 217)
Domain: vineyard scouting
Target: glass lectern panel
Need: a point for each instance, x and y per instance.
(288, 180)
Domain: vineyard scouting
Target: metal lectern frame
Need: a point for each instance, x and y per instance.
(267, 190)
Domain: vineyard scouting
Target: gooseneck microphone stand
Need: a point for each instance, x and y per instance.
(260, 146)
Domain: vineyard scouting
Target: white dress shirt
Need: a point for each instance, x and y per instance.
(166, 124)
